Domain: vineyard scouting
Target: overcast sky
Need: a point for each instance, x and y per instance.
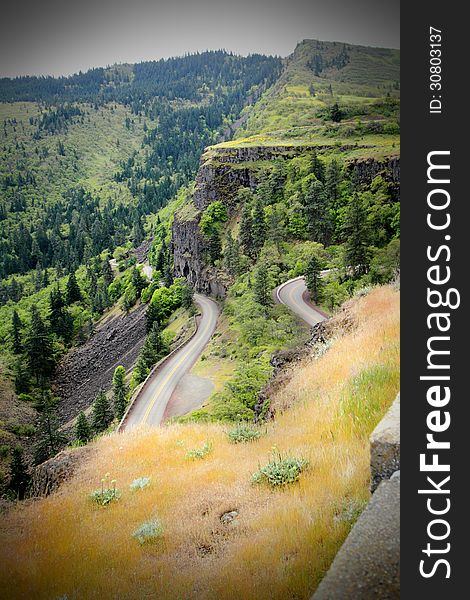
(60, 37)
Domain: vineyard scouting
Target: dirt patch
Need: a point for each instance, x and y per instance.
(89, 367)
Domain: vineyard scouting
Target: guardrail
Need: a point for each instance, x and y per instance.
(156, 367)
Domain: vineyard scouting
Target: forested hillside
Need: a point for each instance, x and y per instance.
(309, 184)
(86, 162)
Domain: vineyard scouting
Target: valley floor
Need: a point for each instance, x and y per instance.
(64, 546)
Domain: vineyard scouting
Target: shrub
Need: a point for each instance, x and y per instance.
(280, 471)
(148, 531)
(199, 453)
(140, 483)
(107, 493)
(243, 432)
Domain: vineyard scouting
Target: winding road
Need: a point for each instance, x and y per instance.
(150, 404)
(292, 294)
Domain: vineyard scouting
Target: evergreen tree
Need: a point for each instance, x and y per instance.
(22, 376)
(161, 257)
(16, 326)
(151, 316)
(356, 231)
(138, 281)
(259, 226)
(106, 271)
(49, 437)
(82, 428)
(332, 182)
(261, 286)
(152, 350)
(73, 293)
(137, 231)
(120, 391)
(232, 255)
(246, 230)
(276, 228)
(313, 281)
(39, 349)
(318, 167)
(319, 223)
(19, 477)
(187, 295)
(215, 245)
(61, 322)
(102, 414)
(335, 113)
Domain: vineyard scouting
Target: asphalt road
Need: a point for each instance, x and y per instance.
(149, 407)
(291, 294)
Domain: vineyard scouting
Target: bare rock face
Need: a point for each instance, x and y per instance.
(364, 171)
(50, 475)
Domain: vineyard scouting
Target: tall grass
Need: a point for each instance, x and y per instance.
(283, 540)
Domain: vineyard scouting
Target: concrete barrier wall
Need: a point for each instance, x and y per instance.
(367, 566)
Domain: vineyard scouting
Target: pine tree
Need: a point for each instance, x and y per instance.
(246, 230)
(332, 182)
(260, 286)
(335, 113)
(120, 391)
(106, 271)
(276, 228)
(49, 437)
(38, 348)
(187, 295)
(312, 279)
(258, 227)
(356, 231)
(319, 223)
(82, 428)
(137, 231)
(151, 316)
(232, 255)
(161, 257)
(102, 414)
(73, 293)
(152, 350)
(61, 322)
(138, 281)
(19, 477)
(16, 326)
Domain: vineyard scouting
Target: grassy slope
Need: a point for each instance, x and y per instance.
(71, 547)
(289, 113)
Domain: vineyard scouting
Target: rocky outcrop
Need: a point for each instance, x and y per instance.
(364, 171)
(50, 475)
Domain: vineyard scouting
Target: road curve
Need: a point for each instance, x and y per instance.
(149, 407)
(291, 293)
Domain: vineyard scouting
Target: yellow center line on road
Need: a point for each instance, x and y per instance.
(168, 377)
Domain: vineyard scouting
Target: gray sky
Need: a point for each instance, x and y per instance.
(61, 36)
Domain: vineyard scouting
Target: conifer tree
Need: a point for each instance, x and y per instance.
(356, 231)
(16, 336)
(61, 322)
(317, 213)
(332, 182)
(120, 391)
(106, 271)
(260, 286)
(102, 414)
(38, 348)
(49, 437)
(312, 279)
(19, 477)
(152, 315)
(259, 226)
(82, 428)
(246, 230)
(232, 255)
(73, 293)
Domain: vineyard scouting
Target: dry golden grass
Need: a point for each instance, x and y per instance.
(283, 540)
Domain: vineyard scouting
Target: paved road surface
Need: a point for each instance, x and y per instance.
(291, 294)
(149, 407)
